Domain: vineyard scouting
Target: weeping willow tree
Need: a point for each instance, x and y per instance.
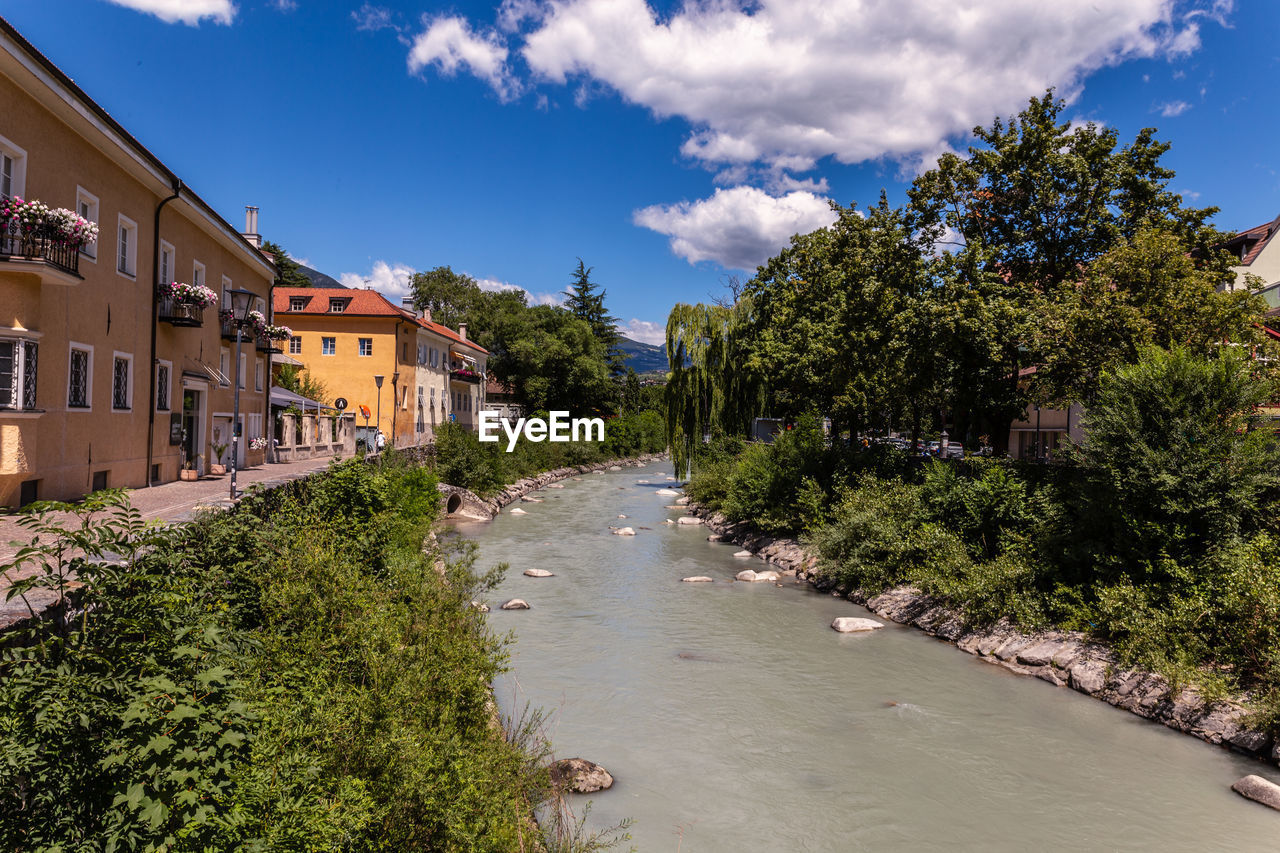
(711, 385)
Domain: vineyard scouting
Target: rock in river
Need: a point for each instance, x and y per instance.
(516, 604)
(1259, 790)
(538, 573)
(624, 531)
(689, 519)
(767, 575)
(580, 776)
(850, 624)
(742, 555)
(746, 575)
(667, 493)
(697, 579)
(518, 511)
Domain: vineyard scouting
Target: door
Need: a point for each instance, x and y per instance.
(191, 424)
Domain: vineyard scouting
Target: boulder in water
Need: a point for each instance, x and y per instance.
(516, 604)
(518, 511)
(743, 555)
(1259, 790)
(538, 573)
(682, 501)
(580, 776)
(697, 579)
(746, 575)
(689, 519)
(667, 493)
(767, 575)
(624, 531)
(852, 624)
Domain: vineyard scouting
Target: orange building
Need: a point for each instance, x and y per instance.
(105, 379)
(349, 338)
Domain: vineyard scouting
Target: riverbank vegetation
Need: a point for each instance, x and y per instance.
(485, 467)
(1050, 266)
(295, 675)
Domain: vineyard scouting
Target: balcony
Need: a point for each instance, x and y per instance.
(266, 344)
(463, 374)
(177, 313)
(228, 326)
(54, 260)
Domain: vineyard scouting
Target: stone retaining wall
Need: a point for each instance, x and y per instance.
(473, 505)
(1064, 659)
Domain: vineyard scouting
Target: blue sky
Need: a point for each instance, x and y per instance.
(668, 145)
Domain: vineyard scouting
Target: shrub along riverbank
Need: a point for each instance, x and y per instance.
(485, 467)
(1158, 535)
(293, 675)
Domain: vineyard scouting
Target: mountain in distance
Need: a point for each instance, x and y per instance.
(319, 279)
(644, 358)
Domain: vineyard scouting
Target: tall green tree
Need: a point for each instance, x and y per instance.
(448, 295)
(584, 298)
(288, 271)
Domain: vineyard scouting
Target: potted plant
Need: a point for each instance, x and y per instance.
(189, 471)
(218, 466)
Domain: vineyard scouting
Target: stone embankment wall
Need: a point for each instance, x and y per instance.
(472, 505)
(1064, 659)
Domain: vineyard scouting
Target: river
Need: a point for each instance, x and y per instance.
(734, 719)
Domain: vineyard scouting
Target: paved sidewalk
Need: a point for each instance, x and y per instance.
(176, 501)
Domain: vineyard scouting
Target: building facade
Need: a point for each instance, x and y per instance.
(106, 378)
(348, 338)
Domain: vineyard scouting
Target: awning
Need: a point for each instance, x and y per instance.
(204, 370)
(283, 398)
(281, 358)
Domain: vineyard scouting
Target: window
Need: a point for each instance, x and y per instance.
(244, 371)
(197, 273)
(166, 263)
(366, 346)
(295, 345)
(127, 247)
(433, 397)
(328, 346)
(13, 169)
(257, 374)
(226, 294)
(435, 357)
(336, 306)
(87, 206)
(224, 365)
(79, 384)
(17, 374)
(163, 370)
(121, 382)
(297, 303)
(422, 408)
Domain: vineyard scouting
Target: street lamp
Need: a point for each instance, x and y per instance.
(377, 380)
(241, 305)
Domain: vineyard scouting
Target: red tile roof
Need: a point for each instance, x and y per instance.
(1253, 240)
(359, 303)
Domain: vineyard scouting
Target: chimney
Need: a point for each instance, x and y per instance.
(462, 331)
(251, 226)
(406, 302)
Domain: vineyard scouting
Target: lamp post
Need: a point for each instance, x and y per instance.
(241, 304)
(377, 380)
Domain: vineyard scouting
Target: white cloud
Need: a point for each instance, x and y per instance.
(372, 18)
(451, 45)
(392, 281)
(532, 298)
(189, 12)
(739, 228)
(1174, 108)
(793, 81)
(284, 5)
(644, 331)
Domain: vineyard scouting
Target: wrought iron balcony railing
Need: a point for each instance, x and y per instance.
(180, 313)
(37, 247)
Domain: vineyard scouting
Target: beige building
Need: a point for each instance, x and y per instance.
(348, 338)
(103, 382)
(1259, 254)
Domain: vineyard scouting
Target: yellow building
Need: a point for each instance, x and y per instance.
(103, 382)
(348, 338)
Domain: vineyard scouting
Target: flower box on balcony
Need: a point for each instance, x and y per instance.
(31, 232)
(180, 313)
